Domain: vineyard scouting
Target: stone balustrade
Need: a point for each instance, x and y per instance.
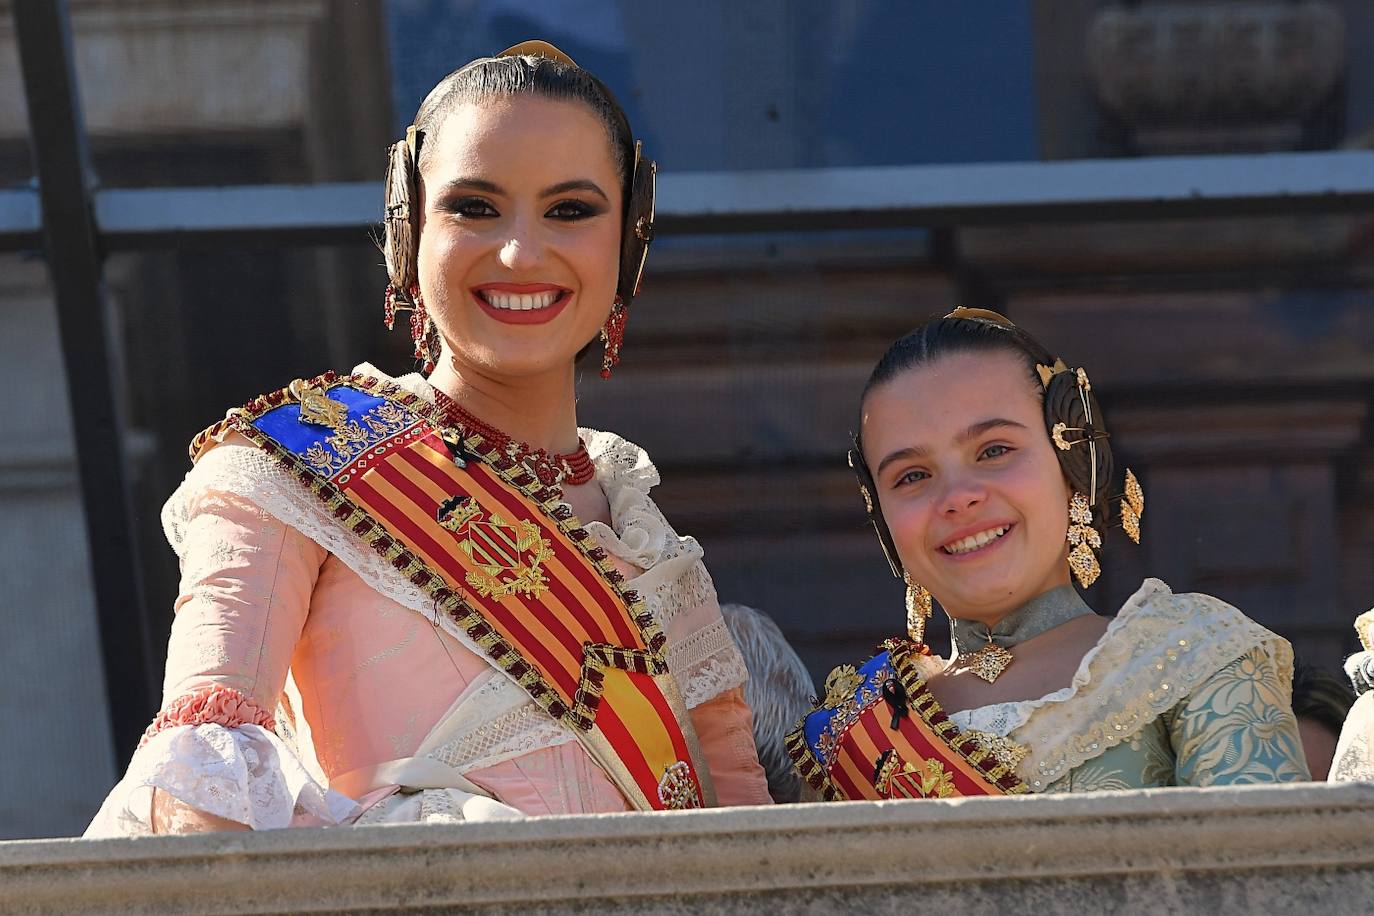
(1272, 849)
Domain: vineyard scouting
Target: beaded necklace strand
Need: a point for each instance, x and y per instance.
(573, 469)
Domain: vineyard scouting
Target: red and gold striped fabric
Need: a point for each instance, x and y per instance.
(880, 734)
(504, 557)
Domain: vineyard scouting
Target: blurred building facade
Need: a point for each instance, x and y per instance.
(1233, 356)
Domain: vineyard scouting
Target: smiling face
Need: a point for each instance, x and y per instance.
(968, 482)
(519, 233)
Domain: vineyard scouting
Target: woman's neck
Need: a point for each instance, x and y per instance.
(1043, 612)
(540, 411)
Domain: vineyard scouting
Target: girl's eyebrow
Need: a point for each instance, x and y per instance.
(973, 432)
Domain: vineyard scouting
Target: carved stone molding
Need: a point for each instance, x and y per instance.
(1199, 76)
(148, 67)
(1271, 849)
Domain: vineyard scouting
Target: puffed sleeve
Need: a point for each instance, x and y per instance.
(1237, 727)
(724, 725)
(1354, 757)
(212, 749)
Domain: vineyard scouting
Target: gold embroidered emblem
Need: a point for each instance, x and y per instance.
(318, 408)
(677, 790)
(929, 779)
(841, 685)
(509, 558)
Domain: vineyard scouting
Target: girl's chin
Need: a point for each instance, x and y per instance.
(973, 601)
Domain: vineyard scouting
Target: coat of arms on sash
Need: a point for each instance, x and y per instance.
(880, 734)
(508, 557)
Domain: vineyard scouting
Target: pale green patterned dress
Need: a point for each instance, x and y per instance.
(1182, 690)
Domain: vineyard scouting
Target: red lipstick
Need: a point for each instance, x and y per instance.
(496, 300)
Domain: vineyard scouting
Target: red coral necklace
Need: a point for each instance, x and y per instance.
(574, 468)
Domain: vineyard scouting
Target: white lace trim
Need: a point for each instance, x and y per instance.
(244, 774)
(437, 806)
(997, 719)
(501, 724)
(1156, 651)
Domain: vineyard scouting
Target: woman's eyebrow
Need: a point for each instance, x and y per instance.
(973, 432)
(474, 184)
(491, 187)
(576, 184)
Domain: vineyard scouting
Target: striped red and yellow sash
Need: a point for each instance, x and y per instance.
(880, 734)
(503, 556)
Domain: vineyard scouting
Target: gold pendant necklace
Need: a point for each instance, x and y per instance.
(988, 662)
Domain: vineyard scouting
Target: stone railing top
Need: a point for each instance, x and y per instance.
(1267, 848)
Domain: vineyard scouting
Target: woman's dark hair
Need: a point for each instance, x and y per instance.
(490, 78)
(500, 77)
(1062, 397)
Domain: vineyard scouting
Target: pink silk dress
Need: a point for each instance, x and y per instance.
(302, 670)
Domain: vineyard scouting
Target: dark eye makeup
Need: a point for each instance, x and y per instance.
(481, 208)
(470, 207)
(572, 210)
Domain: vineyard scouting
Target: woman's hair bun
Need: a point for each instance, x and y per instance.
(401, 219)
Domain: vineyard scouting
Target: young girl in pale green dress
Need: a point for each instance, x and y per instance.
(988, 471)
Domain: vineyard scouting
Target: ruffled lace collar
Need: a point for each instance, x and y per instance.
(1157, 649)
(1136, 604)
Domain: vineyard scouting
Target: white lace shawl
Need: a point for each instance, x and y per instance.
(248, 775)
(1156, 651)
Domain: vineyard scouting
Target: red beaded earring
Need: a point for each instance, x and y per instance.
(419, 321)
(613, 337)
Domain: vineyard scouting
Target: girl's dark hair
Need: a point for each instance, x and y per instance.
(499, 77)
(1321, 696)
(1063, 400)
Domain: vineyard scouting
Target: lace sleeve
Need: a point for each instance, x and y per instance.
(245, 591)
(1237, 728)
(243, 774)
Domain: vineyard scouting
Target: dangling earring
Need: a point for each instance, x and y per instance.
(389, 308)
(918, 609)
(1084, 539)
(419, 329)
(419, 322)
(613, 336)
(1132, 507)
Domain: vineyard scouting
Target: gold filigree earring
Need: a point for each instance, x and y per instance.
(1132, 507)
(918, 609)
(1084, 539)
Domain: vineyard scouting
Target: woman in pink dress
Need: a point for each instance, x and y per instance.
(437, 598)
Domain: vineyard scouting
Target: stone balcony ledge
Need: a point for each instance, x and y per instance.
(1273, 849)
